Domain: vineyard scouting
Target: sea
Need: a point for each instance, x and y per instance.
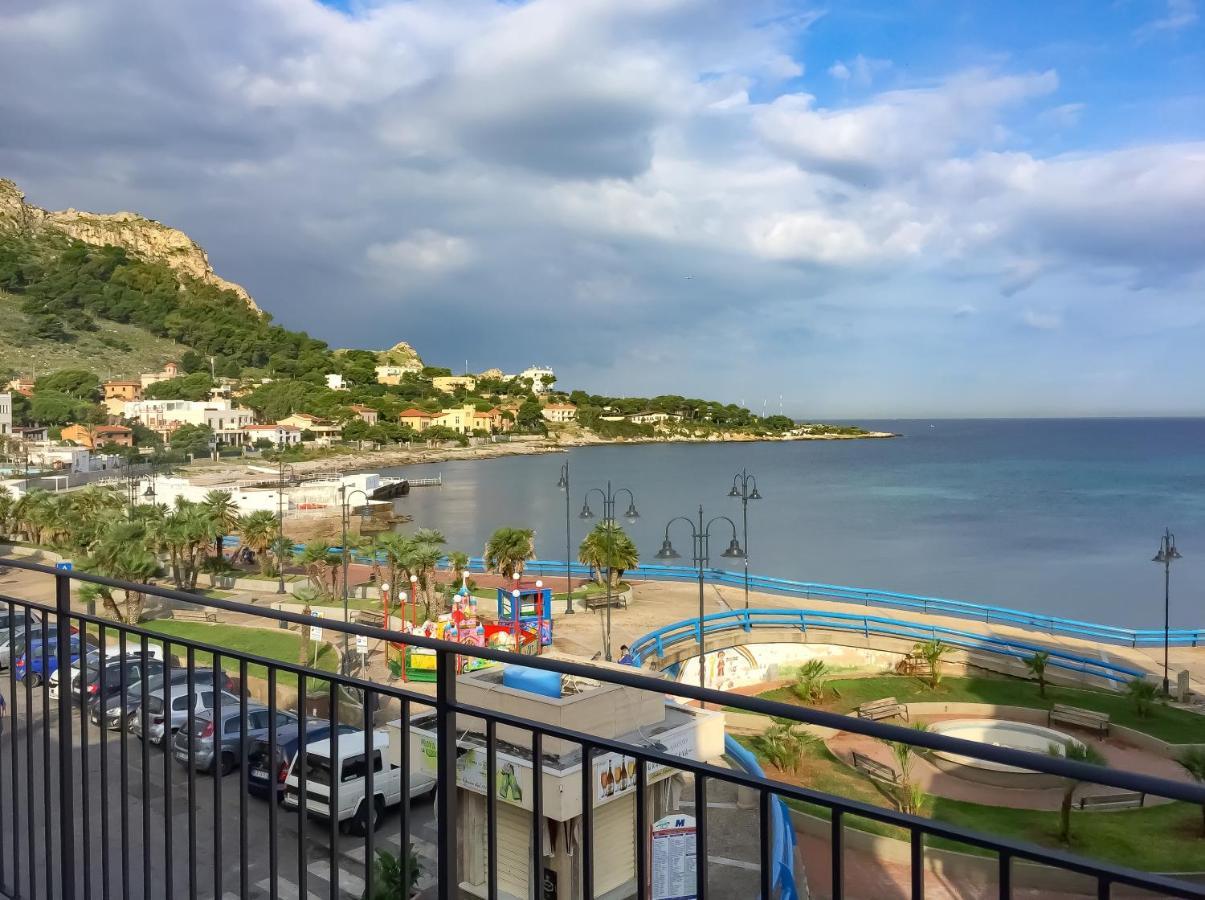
(1059, 516)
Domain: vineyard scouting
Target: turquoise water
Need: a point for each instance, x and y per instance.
(1056, 516)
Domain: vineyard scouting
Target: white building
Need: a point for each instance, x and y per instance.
(6, 414)
(537, 375)
(335, 382)
(280, 435)
(165, 416)
(393, 374)
(653, 418)
(559, 412)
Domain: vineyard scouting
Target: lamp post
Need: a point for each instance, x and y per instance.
(701, 537)
(414, 600)
(608, 519)
(280, 517)
(563, 484)
(345, 499)
(1167, 552)
(740, 488)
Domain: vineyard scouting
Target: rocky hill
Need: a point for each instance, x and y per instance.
(149, 240)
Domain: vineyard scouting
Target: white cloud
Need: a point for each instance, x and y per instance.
(1180, 14)
(1041, 321)
(861, 70)
(425, 251)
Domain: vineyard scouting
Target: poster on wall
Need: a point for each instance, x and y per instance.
(513, 781)
(673, 859)
(615, 774)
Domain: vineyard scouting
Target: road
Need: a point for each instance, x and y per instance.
(178, 836)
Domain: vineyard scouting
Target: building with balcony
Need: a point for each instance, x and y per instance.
(451, 383)
(96, 436)
(416, 419)
(118, 393)
(559, 412)
(321, 428)
(537, 375)
(367, 414)
(164, 417)
(280, 435)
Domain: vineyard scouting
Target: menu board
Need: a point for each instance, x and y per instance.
(673, 859)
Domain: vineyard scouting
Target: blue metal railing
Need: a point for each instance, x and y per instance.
(782, 831)
(656, 642)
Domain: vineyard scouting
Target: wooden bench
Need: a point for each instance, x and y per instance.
(1124, 800)
(194, 615)
(1084, 718)
(886, 708)
(600, 602)
(370, 617)
(875, 769)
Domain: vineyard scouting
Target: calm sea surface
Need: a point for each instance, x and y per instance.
(1058, 516)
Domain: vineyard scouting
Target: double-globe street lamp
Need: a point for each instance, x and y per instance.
(701, 537)
(1167, 553)
(740, 488)
(608, 519)
(345, 497)
(563, 484)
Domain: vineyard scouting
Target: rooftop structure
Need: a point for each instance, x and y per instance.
(538, 374)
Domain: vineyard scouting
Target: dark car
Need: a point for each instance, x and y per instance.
(110, 707)
(265, 775)
(134, 669)
(218, 741)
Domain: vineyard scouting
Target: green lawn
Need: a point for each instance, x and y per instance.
(273, 643)
(1172, 725)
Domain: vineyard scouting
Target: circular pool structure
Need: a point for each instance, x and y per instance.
(999, 733)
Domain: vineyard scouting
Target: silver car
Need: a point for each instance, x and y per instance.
(230, 734)
(164, 717)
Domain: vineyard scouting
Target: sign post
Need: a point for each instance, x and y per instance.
(673, 859)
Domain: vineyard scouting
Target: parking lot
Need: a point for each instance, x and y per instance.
(178, 831)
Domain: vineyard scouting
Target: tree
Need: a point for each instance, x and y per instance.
(1192, 761)
(124, 553)
(1143, 693)
(809, 681)
(905, 792)
(458, 562)
(258, 531)
(508, 550)
(932, 652)
(608, 546)
(196, 386)
(1037, 666)
(57, 408)
(1075, 752)
(530, 416)
(6, 507)
(32, 513)
(185, 535)
(783, 745)
(321, 566)
(77, 383)
(194, 440)
(423, 560)
(397, 550)
(222, 509)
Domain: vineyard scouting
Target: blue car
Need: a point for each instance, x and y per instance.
(30, 661)
(266, 777)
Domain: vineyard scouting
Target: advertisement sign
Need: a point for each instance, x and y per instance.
(512, 778)
(615, 774)
(673, 859)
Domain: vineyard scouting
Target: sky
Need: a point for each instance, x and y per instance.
(866, 209)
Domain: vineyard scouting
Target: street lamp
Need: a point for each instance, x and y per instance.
(1167, 552)
(608, 497)
(740, 488)
(563, 484)
(701, 537)
(280, 517)
(414, 600)
(344, 501)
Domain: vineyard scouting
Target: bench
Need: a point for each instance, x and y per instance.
(370, 617)
(875, 769)
(1084, 718)
(886, 708)
(600, 602)
(1112, 801)
(194, 615)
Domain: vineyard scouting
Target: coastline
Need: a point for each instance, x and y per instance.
(370, 460)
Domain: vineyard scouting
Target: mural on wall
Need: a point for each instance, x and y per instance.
(751, 664)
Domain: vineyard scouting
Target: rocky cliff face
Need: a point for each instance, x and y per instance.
(142, 237)
(401, 354)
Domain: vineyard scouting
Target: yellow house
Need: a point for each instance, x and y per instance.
(417, 419)
(449, 383)
(467, 419)
(306, 422)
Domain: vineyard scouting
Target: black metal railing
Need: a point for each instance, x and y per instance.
(70, 826)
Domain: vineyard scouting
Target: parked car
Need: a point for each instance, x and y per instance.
(227, 733)
(31, 663)
(12, 639)
(345, 755)
(110, 707)
(89, 689)
(167, 717)
(266, 774)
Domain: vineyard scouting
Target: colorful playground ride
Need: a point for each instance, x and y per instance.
(517, 634)
(524, 609)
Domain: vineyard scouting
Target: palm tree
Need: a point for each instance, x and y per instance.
(124, 553)
(1037, 666)
(282, 551)
(1143, 693)
(30, 514)
(932, 651)
(423, 560)
(429, 536)
(1076, 752)
(1192, 761)
(458, 562)
(508, 550)
(608, 546)
(397, 549)
(222, 509)
(907, 794)
(184, 536)
(321, 564)
(6, 508)
(258, 532)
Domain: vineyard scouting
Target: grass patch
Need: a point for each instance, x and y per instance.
(1166, 723)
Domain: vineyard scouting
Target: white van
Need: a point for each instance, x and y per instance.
(387, 779)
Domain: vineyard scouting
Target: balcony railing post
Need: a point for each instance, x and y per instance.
(62, 603)
(448, 886)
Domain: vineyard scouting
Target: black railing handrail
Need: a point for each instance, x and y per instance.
(1052, 765)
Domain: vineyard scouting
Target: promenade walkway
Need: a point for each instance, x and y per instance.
(658, 603)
